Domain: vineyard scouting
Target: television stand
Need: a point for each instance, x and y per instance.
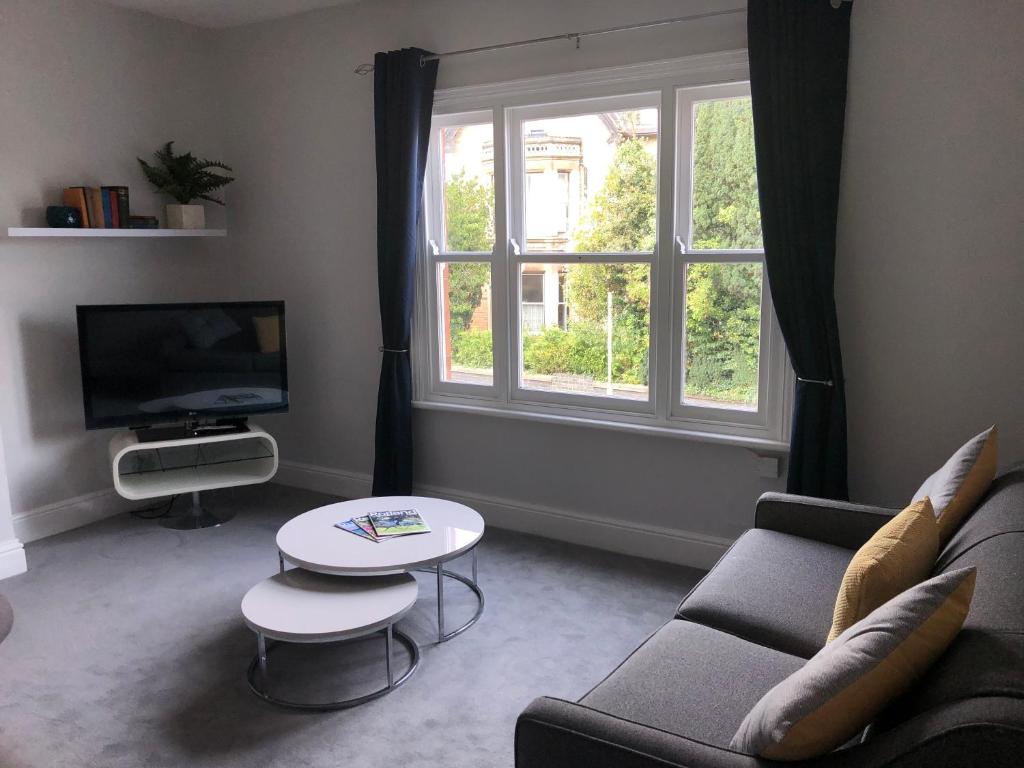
(149, 469)
(197, 516)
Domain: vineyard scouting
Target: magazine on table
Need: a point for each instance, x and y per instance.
(361, 527)
(398, 522)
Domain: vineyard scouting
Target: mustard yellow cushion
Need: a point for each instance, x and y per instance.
(268, 333)
(958, 486)
(838, 692)
(900, 554)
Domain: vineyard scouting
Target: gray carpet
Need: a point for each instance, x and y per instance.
(128, 649)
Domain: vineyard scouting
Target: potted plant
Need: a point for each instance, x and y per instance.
(185, 178)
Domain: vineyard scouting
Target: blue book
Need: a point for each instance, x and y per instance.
(108, 216)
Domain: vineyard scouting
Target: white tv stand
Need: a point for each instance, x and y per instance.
(148, 470)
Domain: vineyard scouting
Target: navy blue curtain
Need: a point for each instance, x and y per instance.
(798, 62)
(403, 95)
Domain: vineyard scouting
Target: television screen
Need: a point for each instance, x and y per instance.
(146, 364)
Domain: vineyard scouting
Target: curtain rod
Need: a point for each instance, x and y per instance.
(365, 69)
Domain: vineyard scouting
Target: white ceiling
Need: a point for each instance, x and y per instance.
(218, 14)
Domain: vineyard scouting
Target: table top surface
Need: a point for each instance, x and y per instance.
(306, 607)
(312, 541)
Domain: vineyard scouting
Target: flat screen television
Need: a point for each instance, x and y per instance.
(146, 364)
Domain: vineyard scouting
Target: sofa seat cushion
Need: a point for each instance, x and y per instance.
(772, 589)
(692, 681)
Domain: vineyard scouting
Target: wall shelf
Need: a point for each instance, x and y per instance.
(83, 232)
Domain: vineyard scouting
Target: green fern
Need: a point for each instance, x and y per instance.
(184, 177)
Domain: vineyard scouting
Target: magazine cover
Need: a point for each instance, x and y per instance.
(398, 522)
(366, 526)
(351, 527)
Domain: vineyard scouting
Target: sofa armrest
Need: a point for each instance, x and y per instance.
(831, 522)
(553, 733)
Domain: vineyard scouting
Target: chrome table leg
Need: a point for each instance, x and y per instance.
(280, 560)
(440, 602)
(387, 653)
(261, 654)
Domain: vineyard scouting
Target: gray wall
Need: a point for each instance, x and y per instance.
(85, 89)
(930, 279)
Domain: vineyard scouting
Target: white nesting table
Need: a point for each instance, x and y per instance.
(312, 542)
(300, 606)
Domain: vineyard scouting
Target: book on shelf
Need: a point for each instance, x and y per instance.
(398, 522)
(108, 213)
(143, 222)
(102, 207)
(74, 197)
(123, 211)
(95, 199)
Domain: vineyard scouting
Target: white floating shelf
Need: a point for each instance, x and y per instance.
(83, 232)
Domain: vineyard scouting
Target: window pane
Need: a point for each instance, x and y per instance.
(723, 335)
(726, 213)
(466, 353)
(583, 308)
(591, 182)
(467, 160)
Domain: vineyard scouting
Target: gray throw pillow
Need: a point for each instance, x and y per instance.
(839, 691)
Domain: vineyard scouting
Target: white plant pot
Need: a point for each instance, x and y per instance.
(186, 217)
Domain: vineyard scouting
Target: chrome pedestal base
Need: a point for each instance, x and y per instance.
(257, 675)
(196, 517)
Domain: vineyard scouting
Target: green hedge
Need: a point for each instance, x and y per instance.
(581, 352)
(472, 349)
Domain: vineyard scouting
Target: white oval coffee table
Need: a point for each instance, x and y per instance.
(299, 606)
(311, 541)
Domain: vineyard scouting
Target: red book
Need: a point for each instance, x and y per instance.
(116, 220)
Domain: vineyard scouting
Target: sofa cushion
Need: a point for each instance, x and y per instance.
(772, 589)
(987, 657)
(957, 486)
(692, 681)
(1001, 511)
(839, 691)
(900, 554)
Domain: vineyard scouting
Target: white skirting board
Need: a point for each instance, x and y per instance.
(654, 542)
(12, 558)
(70, 513)
(670, 545)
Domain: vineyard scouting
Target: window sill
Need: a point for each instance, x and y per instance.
(756, 444)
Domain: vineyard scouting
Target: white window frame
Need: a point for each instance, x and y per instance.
(505, 105)
(772, 359)
(432, 254)
(519, 255)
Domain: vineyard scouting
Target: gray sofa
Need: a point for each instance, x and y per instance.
(762, 611)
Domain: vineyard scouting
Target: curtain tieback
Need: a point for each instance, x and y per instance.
(824, 383)
(393, 351)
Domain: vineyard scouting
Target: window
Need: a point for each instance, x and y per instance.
(460, 228)
(578, 266)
